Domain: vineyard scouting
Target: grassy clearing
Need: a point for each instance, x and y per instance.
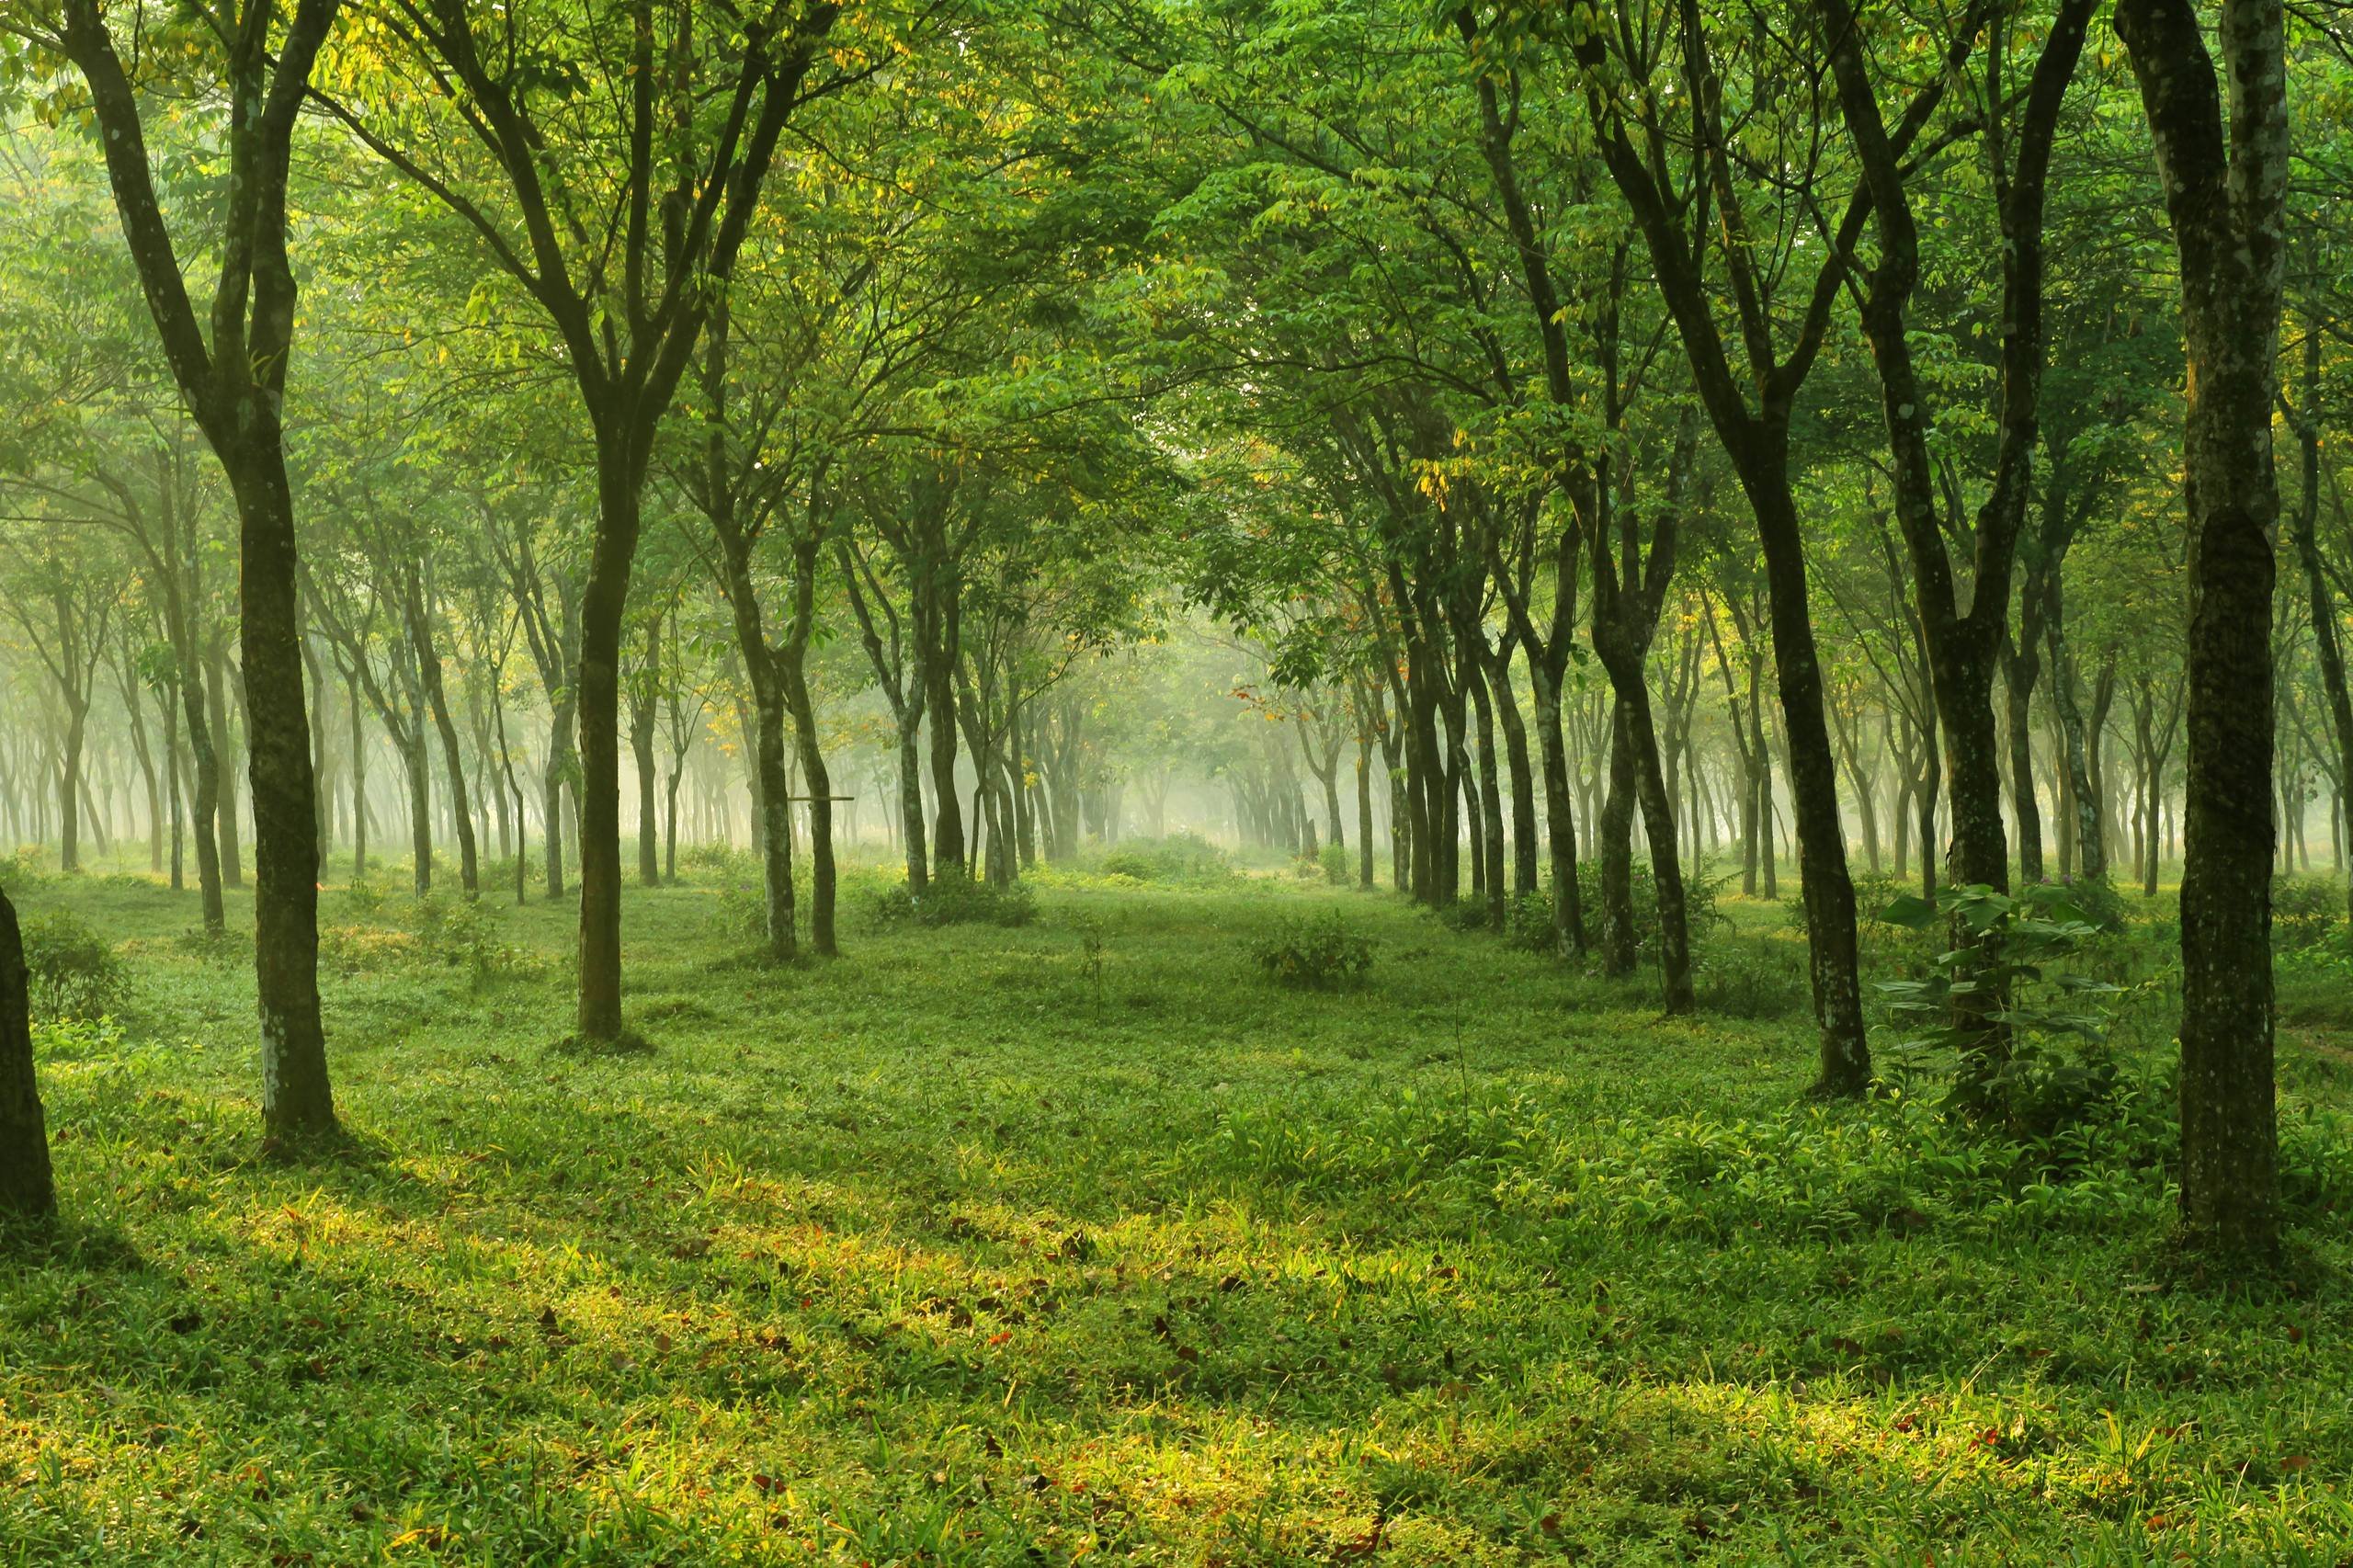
(1001, 1244)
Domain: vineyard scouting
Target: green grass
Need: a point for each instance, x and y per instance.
(944, 1253)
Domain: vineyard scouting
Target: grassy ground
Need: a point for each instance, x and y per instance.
(956, 1252)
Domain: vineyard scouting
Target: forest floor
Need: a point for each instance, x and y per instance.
(958, 1250)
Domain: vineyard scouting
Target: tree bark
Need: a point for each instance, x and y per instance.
(2226, 197)
(28, 1189)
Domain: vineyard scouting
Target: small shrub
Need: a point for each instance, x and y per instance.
(358, 949)
(1179, 858)
(1701, 918)
(2305, 911)
(1339, 864)
(955, 901)
(1528, 922)
(1761, 980)
(722, 860)
(363, 898)
(743, 911)
(22, 869)
(1314, 954)
(460, 934)
(74, 974)
(229, 946)
(2056, 1072)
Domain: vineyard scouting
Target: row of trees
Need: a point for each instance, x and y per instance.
(1799, 382)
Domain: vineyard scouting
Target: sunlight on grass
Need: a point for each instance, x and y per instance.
(923, 1259)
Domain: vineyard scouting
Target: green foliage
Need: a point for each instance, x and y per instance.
(1528, 922)
(954, 901)
(1759, 978)
(743, 911)
(1315, 954)
(2028, 1042)
(22, 869)
(72, 971)
(2305, 911)
(1339, 863)
(1179, 858)
(1700, 895)
(439, 932)
(464, 935)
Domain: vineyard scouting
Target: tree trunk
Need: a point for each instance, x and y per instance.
(428, 664)
(1821, 846)
(1559, 823)
(69, 788)
(2321, 603)
(418, 766)
(2020, 671)
(642, 703)
(2226, 202)
(603, 604)
(1619, 940)
(232, 870)
(819, 785)
(1491, 806)
(297, 1102)
(27, 1190)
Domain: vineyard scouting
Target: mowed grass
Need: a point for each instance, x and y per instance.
(954, 1251)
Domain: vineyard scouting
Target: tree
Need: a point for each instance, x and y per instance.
(233, 384)
(610, 161)
(2225, 183)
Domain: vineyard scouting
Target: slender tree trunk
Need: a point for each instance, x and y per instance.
(418, 766)
(2022, 670)
(2321, 602)
(69, 788)
(644, 705)
(359, 785)
(1619, 939)
(204, 779)
(819, 785)
(1491, 807)
(1559, 823)
(912, 830)
(233, 871)
(428, 664)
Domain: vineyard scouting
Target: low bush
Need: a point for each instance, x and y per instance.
(22, 869)
(1179, 858)
(74, 972)
(724, 860)
(1528, 922)
(2305, 911)
(2049, 1069)
(1315, 954)
(1753, 980)
(1701, 892)
(464, 935)
(1339, 864)
(954, 901)
(354, 948)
